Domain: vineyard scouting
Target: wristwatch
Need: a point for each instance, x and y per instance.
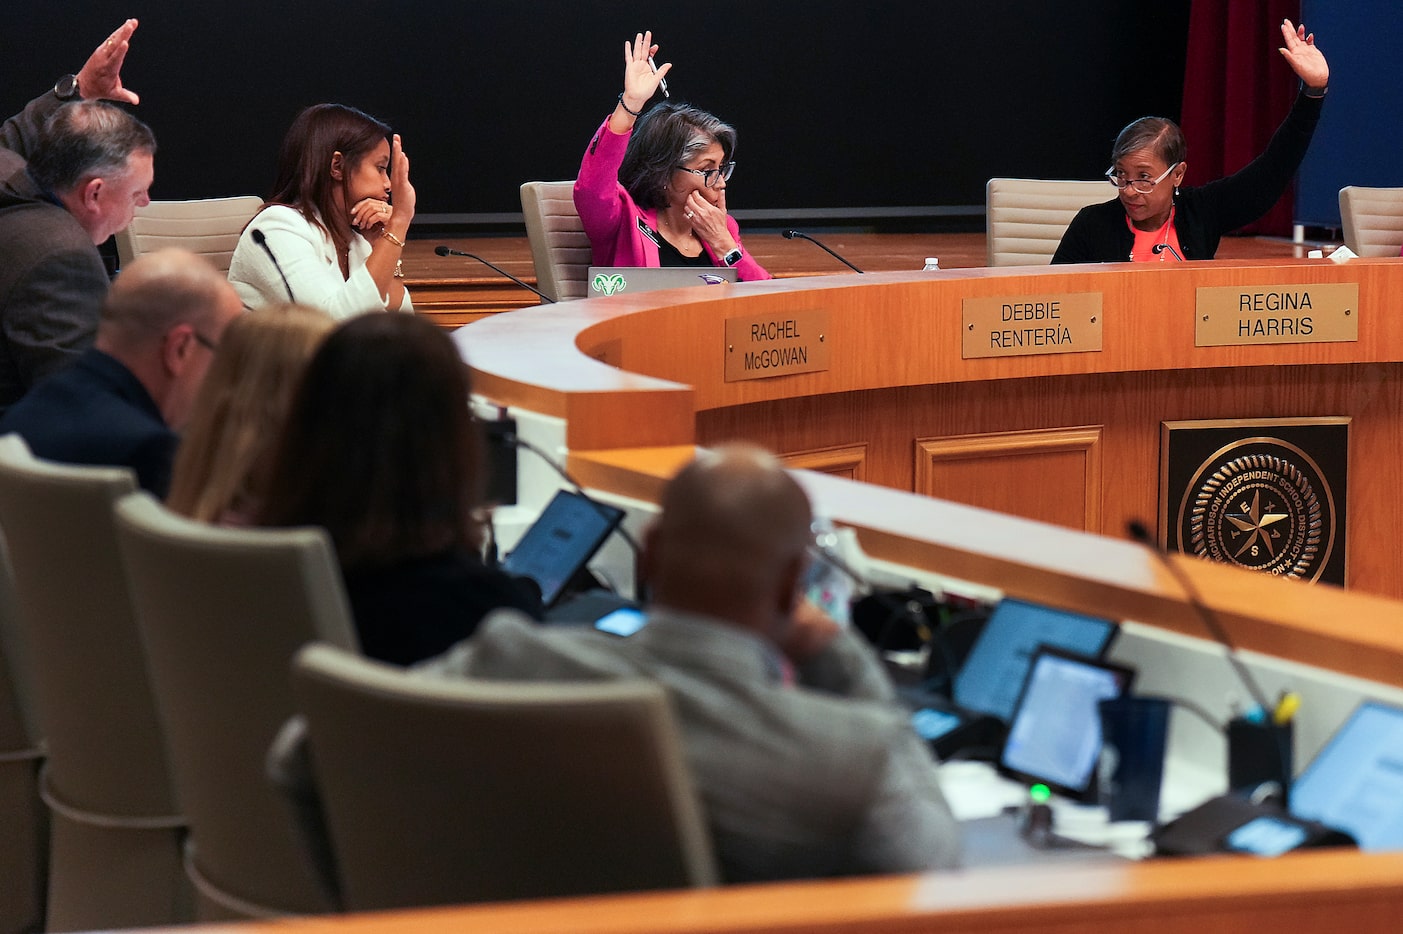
(731, 258)
(67, 88)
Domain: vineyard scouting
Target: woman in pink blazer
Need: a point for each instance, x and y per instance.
(652, 187)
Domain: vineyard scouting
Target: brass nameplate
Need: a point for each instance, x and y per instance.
(776, 345)
(1277, 314)
(1019, 325)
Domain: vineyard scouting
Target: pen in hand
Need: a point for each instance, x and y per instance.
(662, 82)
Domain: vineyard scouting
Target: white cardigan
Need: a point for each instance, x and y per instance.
(308, 259)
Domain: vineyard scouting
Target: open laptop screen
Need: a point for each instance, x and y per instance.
(1355, 783)
(997, 666)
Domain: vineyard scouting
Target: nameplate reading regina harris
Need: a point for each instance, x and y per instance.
(1022, 325)
(1321, 313)
(779, 344)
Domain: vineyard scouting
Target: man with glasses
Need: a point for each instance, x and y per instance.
(121, 403)
(1154, 219)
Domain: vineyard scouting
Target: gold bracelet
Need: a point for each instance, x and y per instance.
(392, 238)
(399, 269)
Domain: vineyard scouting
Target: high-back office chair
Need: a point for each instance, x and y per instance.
(209, 227)
(24, 840)
(1373, 220)
(222, 611)
(440, 791)
(115, 828)
(1027, 216)
(559, 247)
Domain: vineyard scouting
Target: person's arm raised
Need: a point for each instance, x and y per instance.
(101, 75)
(1305, 59)
(387, 243)
(640, 82)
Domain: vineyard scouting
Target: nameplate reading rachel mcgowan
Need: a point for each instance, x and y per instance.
(777, 344)
(1322, 313)
(1020, 325)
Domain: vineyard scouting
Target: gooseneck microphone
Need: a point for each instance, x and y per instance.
(791, 234)
(262, 241)
(444, 249)
(1141, 534)
(1161, 247)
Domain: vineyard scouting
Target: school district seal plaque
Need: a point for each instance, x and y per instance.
(1259, 501)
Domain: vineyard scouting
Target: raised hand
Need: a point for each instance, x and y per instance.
(401, 190)
(640, 80)
(101, 75)
(1303, 57)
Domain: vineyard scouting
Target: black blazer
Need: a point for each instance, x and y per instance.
(96, 412)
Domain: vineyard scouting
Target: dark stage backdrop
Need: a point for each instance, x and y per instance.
(845, 110)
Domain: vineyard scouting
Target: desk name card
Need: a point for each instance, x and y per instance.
(1022, 325)
(1234, 315)
(762, 346)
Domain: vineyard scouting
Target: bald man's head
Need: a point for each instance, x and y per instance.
(159, 290)
(731, 539)
(163, 318)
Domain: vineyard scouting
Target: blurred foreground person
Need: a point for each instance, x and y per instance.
(380, 449)
(805, 764)
(222, 467)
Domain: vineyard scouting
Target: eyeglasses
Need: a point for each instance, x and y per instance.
(710, 176)
(1142, 185)
(204, 342)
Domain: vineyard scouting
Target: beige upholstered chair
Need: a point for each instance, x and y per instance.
(441, 791)
(1373, 220)
(1027, 216)
(24, 837)
(222, 612)
(209, 227)
(559, 247)
(115, 830)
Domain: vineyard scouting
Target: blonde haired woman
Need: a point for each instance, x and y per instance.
(220, 469)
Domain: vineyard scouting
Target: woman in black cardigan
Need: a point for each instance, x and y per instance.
(1154, 219)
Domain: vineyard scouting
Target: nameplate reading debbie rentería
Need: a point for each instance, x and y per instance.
(1323, 313)
(776, 345)
(1016, 326)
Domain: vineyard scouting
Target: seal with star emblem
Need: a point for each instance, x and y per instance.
(1260, 503)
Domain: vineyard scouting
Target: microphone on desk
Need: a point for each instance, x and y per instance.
(503, 431)
(1161, 247)
(1258, 751)
(262, 241)
(791, 234)
(444, 249)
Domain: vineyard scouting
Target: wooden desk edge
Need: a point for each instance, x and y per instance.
(1309, 891)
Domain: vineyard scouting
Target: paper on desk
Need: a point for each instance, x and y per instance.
(974, 790)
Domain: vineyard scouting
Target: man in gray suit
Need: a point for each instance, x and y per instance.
(805, 764)
(89, 168)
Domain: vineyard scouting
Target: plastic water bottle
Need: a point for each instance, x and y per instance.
(826, 584)
(932, 264)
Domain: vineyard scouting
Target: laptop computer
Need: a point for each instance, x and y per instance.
(1355, 782)
(1054, 736)
(987, 686)
(613, 280)
(561, 542)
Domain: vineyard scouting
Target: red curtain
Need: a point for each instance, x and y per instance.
(1237, 90)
